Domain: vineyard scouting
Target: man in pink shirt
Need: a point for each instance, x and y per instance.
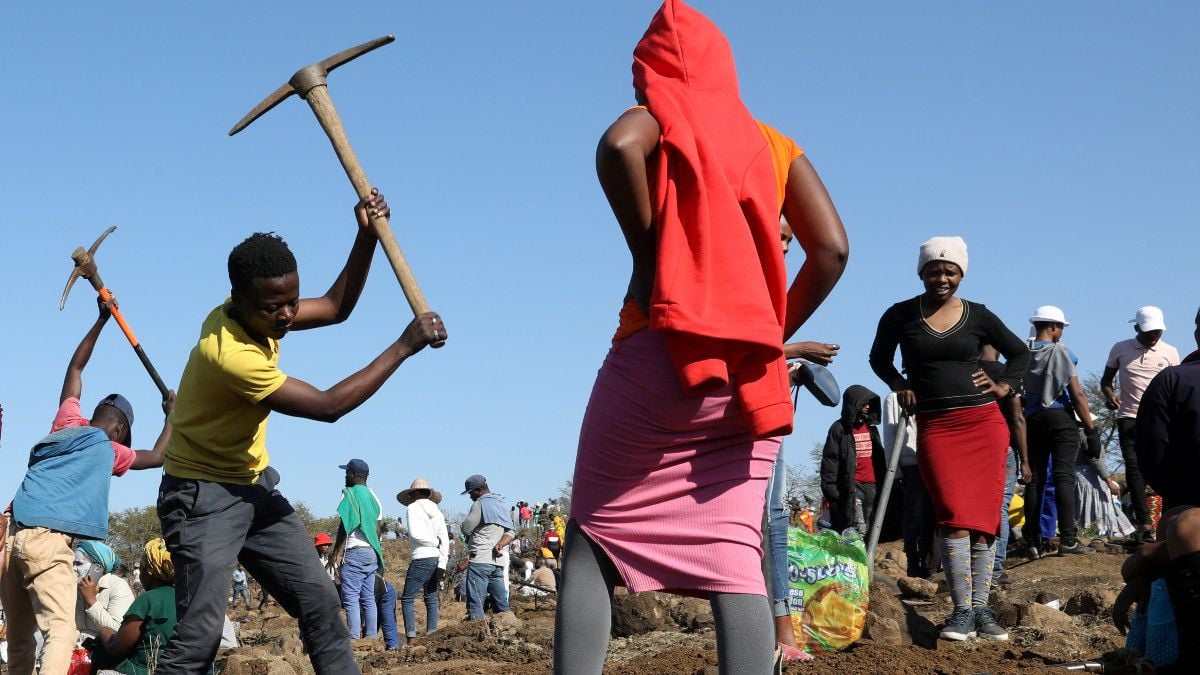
(1137, 361)
(64, 497)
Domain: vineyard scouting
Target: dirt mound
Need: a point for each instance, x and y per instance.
(658, 633)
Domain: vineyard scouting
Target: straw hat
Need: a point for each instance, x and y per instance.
(419, 489)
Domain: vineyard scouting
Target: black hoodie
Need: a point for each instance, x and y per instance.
(839, 460)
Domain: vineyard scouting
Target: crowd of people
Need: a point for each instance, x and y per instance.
(678, 481)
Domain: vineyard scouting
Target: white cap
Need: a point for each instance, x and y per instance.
(1149, 318)
(950, 249)
(1049, 314)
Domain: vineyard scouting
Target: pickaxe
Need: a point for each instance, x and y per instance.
(309, 83)
(85, 266)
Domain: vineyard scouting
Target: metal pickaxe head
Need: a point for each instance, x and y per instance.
(85, 265)
(307, 78)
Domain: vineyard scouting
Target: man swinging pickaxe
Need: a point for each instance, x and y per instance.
(85, 266)
(309, 83)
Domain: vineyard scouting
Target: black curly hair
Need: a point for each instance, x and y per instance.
(263, 255)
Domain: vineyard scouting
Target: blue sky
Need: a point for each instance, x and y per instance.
(1059, 139)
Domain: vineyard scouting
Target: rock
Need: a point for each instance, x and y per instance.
(288, 645)
(505, 624)
(419, 652)
(280, 667)
(912, 587)
(299, 662)
(1045, 597)
(884, 630)
(637, 614)
(1090, 601)
(237, 664)
(692, 614)
(897, 556)
(1037, 615)
(1004, 611)
(890, 567)
(366, 645)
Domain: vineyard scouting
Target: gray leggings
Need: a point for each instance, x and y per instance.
(745, 632)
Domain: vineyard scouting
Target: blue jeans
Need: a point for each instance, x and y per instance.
(241, 592)
(1010, 487)
(420, 576)
(775, 563)
(485, 579)
(387, 617)
(358, 591)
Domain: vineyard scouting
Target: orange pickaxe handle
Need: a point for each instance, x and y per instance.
(107, 296)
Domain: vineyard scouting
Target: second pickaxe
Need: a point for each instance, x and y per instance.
(309, 82)
(85, 266)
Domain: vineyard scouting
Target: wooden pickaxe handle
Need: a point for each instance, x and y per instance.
(322, 106)
(107, 296)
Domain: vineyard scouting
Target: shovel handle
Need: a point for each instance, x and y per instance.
(322, 106)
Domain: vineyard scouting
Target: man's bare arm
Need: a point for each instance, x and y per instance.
(73, 380)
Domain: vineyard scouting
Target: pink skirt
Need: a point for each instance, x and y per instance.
(670, 487)
(961, 454)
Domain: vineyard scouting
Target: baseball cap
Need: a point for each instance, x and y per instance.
(1049, 314)
(1149, 318)
(121, 403)
(357, 466)
(474, 481)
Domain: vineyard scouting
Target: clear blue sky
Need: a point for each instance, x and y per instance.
(1061, 140)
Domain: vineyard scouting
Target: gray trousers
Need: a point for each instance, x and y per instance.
(209, 527)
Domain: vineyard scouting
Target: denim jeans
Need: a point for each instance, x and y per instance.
(358, 591)
(420, 576)
(485, 579)
(209, 528)
(1010, 487)
(775, 531)
(243, 593)
(387, 617)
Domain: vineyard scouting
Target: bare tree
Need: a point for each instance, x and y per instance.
(1106, 423)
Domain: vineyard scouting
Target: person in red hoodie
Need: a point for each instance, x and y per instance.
(686, 415)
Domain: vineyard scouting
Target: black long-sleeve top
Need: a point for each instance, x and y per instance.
(940, 365)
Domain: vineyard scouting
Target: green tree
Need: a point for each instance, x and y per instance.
(129, 530)
(314, 524)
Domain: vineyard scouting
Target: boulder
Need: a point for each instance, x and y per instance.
(505, 624)
(238, 664)
(280, 667)
(1090, 601)
(884, 630)
(912, 587)
(288, 645)
(637, 614)
(1037, 615)
(891, 568)
(1046, 597)
(692, 614)
(1004, 611)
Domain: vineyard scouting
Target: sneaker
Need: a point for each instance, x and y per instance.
(960, 626)
(986, 627)
(1075, 548)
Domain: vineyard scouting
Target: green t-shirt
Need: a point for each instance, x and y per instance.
(156, 608)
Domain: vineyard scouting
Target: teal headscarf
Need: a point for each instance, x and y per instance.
(101, 553)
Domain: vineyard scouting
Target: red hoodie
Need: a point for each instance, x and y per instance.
(720, 292)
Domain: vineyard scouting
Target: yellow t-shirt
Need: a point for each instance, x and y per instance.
(219, 426)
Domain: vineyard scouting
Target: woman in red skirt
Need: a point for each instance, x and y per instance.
(961, 434)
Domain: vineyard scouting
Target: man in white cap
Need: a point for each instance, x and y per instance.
(1052, 391)
(430, 551)
(1137, 361)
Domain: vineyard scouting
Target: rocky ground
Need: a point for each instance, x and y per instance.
(665, 634)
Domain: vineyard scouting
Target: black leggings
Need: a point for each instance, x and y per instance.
(745, 632)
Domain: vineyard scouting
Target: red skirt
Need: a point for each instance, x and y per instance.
(961, 455)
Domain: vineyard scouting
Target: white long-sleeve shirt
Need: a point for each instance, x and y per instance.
(427, 532)
(891, 420)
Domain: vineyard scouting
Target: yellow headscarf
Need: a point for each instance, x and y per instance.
(158, 561)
